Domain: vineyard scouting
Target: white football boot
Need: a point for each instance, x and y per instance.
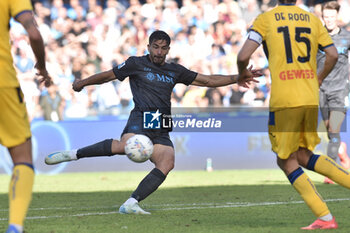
(131, 206)
(62, 156)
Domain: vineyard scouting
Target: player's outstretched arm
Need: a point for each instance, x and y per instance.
(98, 78)
(243, 60)
(331, 60)
(217, 80)
(36, 42)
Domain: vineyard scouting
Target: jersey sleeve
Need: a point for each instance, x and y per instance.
(17, 7)
(259, 26)
(124, 69)
(324, 39)
(186, 76)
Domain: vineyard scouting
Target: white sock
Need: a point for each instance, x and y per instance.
(327, 217)
(131, 200)
(73, 154)
(19, 228)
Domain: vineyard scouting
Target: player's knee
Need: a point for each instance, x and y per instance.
(334, 137)
(282, 164)
(23, 150)
(118, 147)
(303, 156)
(165, 168)
(166, 165)
(169, 164)
(279, 163)
(288, 165)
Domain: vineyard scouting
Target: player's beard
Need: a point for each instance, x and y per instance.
(158, 60)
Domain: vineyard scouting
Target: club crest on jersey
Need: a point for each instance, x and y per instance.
(150, 76)
(342, 50)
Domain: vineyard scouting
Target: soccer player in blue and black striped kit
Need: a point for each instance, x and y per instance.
(152, 81)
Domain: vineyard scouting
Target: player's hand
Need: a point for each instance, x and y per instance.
(45, 77)
(256, 72)
(247, 76)
(77, 85)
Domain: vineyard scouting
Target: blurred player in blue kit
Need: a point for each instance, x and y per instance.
(14, 123)
(334, 89)
(152, 81)
(291, 38)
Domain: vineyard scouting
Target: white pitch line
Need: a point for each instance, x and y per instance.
(190, 206)
(234, 205)
(67, 208)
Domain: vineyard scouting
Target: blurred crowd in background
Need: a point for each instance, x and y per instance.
(83, 37)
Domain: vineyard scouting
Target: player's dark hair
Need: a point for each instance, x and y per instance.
(287, 1)
(332, 5)
(159, 35)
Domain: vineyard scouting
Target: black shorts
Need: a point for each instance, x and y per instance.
(135, 125)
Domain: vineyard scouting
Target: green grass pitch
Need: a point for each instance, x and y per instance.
(254, 201)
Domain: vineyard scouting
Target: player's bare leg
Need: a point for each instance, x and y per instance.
(163, 158)
(118, 146)
(108, 147)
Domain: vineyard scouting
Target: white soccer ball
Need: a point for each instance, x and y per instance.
(139, 148)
